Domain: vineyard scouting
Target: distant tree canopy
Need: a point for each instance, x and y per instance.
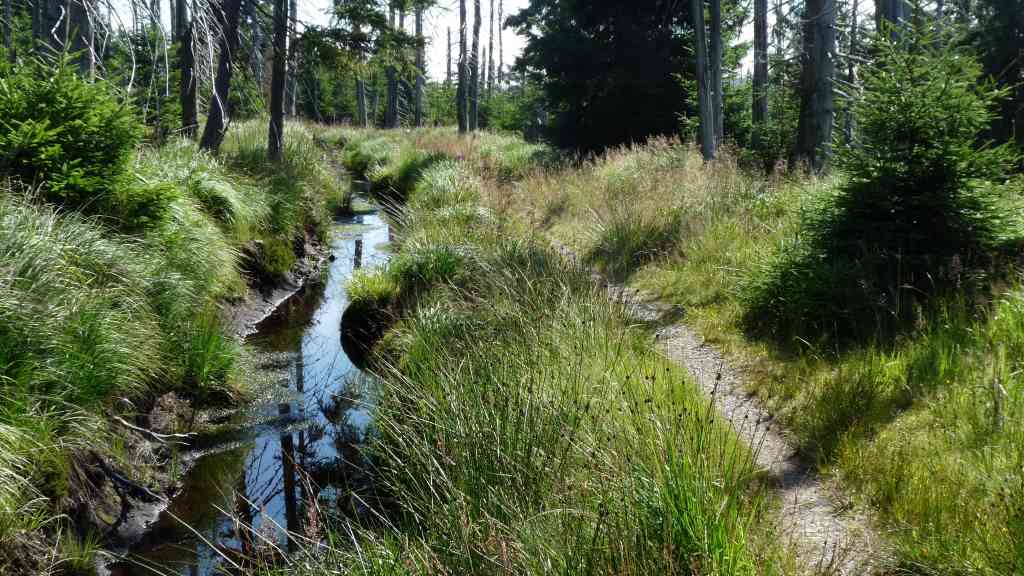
(609, 69)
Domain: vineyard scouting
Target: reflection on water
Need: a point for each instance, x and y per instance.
(284, 456)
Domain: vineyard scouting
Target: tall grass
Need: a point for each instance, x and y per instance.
(524, 427)
(92, 316)
(302, 194)
(919, 428)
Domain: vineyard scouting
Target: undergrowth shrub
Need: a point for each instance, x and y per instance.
(922, 210)
(74, 140)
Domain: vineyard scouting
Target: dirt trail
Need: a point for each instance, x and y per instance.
(828, 537)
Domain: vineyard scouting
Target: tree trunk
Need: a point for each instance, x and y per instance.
(501, 48)
(474, 83)
(391, 113)
(361, 102)
(718, 98)
(77, 30)
(851, 74)
(490, 52)
(421, 66)
(217, 120)
(292, 73)
(187, 81)
(8, 28)
(256, 56)
(760, 111)
(483, 72)
(814, 129)
(448, 74)
(1019, 125)
(91, 44)
(374, 100)
(275, 135)
(892, 13)
(462, 92)
(707, 123)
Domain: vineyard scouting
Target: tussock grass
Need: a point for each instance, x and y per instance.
(93, 314)
(523, 427)
(918, 427)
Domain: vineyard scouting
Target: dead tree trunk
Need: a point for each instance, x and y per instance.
(292, 55)
(256, 55)
(707, 123)
(851, 74)
(448, 74)
(474, 83)
(421, 66)
(187, 89)
(391, 113)
(275, 135)
(462, 92)
(361, 102)
(891, 13)
(718, 98)
(490, 52)
(8, 28)
(814, 129)
(217, 120)
(760, 110)
(501, 47)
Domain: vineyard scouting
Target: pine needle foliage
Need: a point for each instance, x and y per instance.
(923, 207)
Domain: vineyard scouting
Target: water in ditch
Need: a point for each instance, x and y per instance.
(253, 486)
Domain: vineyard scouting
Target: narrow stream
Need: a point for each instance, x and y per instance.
(293, 449)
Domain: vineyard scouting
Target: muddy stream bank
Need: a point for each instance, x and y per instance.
(255, 479)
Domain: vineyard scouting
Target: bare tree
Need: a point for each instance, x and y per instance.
(462, 92)
(292, 73)
(217, 119)
(760, 110)
(187, 85)
(490, 52)
(421, 65)
(8, 28)
(361, 112)
(474, 83)
(716, 70)
(817, 112)
(275, 136)
(851, 71)
(448, 74)
(501, 48)
(705, 108)
(391, 113)
(256, 54)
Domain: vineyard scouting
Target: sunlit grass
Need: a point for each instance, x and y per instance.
(918, 428)
(524, 427)
(96, 319)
